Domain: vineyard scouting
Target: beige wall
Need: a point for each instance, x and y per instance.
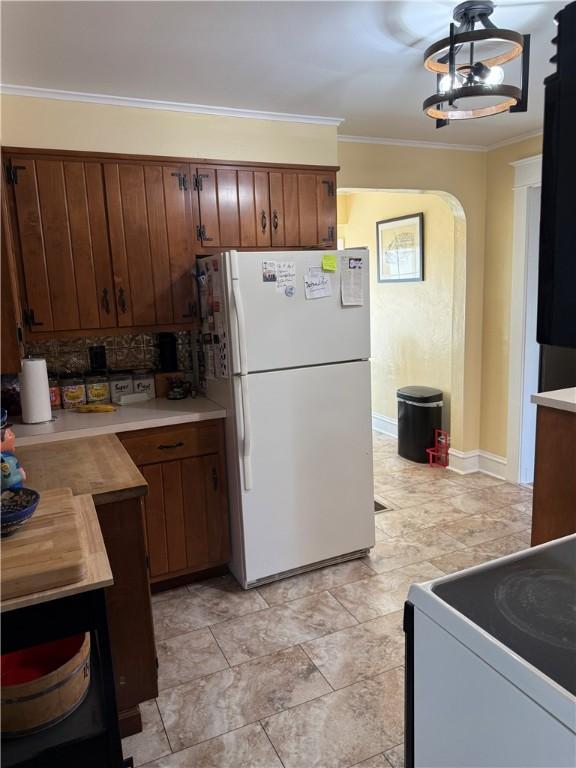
(462, 175)
(497, 290)
(411, 323)
(55, 124)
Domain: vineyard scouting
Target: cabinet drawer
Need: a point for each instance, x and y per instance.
(167, 443)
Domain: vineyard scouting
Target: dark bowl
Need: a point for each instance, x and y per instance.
(17, 505)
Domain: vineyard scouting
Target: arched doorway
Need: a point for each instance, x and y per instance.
(417, 328)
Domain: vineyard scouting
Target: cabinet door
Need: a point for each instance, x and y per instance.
(128, 603)
(307, 209)
(326, 201)
(218, 533)
(130, 241)
(205, 183)
(171, 238)
(207, 529)
(277, 209)
(63, 244)
(254, 207)
(150, 224)
(262, 201)
(284, 217)
(247, 208)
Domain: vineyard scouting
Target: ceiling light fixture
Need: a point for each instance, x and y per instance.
(468, 66)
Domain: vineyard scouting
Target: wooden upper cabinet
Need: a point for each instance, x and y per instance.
(110, 242)
(326, 206)
(63, 243)
(245, 208)
(150, 223)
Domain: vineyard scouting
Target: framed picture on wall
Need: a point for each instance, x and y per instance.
(401, 249)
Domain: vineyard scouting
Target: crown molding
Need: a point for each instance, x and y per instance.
(438, 145)
(170, 106)
(515, 140)
(408, 143)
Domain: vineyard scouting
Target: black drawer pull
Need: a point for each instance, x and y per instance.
(170, 445)
(214, 479)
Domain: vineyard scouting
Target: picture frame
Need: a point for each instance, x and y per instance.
(400, 248)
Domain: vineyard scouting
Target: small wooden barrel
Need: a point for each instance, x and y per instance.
(44, 684)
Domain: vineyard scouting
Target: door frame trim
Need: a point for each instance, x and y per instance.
(527, 175)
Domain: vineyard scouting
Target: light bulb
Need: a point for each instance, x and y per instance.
(447, 83)
(495, 76)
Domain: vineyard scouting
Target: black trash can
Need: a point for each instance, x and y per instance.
(419, 414)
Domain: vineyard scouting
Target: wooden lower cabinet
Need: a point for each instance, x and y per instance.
(129, 610)
(186, 509)
(554, 500)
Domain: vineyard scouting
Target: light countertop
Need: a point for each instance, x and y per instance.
(562, 399)
(153, 413)
(98, 465)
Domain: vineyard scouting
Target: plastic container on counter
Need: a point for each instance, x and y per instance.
(120, 384)
(144, 382)
(55, 395)
(73, 391)
(97, 388)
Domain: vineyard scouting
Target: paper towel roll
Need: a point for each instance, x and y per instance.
(34, 391)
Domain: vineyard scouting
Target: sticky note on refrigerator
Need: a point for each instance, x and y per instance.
(329, 262)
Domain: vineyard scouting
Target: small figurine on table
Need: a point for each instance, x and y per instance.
(12, 473)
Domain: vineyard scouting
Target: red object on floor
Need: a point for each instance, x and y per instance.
(438, 456)
(39, 660)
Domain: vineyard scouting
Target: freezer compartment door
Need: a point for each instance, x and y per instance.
(275, 328)
(311, 495)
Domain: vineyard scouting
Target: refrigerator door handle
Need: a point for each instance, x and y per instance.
(239, 307)
(241, 327)
(247, 436)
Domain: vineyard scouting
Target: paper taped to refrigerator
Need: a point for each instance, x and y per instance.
(285, 276)
(317, 284)
(269, 272)
(351, 285)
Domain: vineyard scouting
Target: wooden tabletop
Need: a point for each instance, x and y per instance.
(97, 571)
(99, 466)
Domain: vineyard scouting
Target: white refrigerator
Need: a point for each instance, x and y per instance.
(286, 341)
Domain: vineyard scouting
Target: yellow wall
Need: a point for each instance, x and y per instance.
(461, 174)
(411, 323)
(497, 290)
(481, 183)
(74, 125)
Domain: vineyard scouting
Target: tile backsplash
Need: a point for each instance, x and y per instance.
(126, 351)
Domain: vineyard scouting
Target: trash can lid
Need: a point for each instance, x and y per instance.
(419, 394)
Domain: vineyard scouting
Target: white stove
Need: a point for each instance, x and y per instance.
(491, 664)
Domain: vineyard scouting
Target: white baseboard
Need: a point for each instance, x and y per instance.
(385, 425)
(465, 462)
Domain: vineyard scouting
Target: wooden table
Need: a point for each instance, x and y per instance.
(100, 466)
(90, 735)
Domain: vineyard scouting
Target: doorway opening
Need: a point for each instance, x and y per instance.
(417, 326)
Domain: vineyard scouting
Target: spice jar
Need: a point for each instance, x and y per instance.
(73, 391)
(120, 384)
(97, 389)
(55, 397)
(144, 382)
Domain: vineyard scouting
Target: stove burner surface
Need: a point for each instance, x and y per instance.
(528, 603)
(529, 600)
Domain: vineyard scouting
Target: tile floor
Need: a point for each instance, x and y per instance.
(307, 672)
